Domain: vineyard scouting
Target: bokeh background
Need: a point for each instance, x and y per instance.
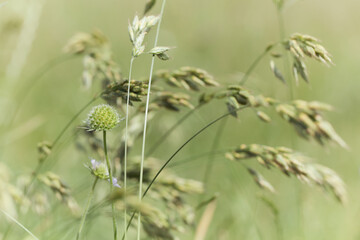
(223, 37)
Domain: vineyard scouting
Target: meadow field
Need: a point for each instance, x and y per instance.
(251, 119)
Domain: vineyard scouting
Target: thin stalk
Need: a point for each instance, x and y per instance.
(179, 149)
(189, 140)
(126, 142)
(146, 116)
(19, 224)
(282, 34)
(255, 63)
(74, 118)
(111, 184)
(194, 158)
(168, 132)
(214, 147)
(91, 194)
(286, 62)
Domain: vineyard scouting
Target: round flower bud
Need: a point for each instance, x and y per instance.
(99, 169)
(102, 118)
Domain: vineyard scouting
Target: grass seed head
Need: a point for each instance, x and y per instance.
(291, 164)
(189, 78)
(308, 121)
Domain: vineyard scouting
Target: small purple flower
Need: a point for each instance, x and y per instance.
(115, 182)
(94, 164)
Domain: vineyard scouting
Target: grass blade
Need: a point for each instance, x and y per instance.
(19, 224)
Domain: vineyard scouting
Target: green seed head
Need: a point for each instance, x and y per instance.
(102, 118)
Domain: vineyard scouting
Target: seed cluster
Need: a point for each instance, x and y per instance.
(137, 31)
(189, 78)
(116, 90)
(308, 122)
(171, 101)
(97, 60)
(301, 46)
(60, 189)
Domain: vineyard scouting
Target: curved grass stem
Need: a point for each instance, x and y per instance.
(189, 140)
(179, 149)
(111, 184)
(169, 131)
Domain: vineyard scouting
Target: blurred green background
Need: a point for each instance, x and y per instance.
(223, 37)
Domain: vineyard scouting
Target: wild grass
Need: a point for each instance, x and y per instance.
(144, 185)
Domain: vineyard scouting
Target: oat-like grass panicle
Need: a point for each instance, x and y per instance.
(188, 78)
(307, 119)
(301, 46)
(97, 57)
(291, 164)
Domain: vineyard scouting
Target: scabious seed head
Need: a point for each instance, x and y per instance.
(103, 118)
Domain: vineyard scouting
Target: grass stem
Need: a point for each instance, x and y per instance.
(91, 194)
(146, 116)
(214, 147)
(169, 131)
(255, 63)
(111, 184)
(126, 141)
(286, 61)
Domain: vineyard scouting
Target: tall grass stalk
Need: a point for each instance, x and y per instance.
(126, 142)
(146, 116)
(286, 62)
(111, 184)
(91, 194)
